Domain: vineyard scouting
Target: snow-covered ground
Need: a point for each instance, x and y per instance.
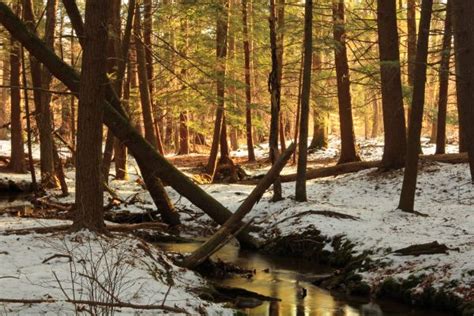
(59, 267)
(444, 193)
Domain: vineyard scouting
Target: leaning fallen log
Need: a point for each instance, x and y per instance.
(234, 223)
(357, 166)
(151, 163)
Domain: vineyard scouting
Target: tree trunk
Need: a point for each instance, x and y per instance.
(348, 150)
(407, 196)
(28, 123)
(392, 97)
(300, 190)
(17, 161)
(221, 54)
(149, 161)
(320, 135)
(183, 134)
(411, 45)
(4, 92)
(464, 42)
(92, 95)
(248, 82)
(274, 85)
(150, 135)
(375, 117)
(41, 80)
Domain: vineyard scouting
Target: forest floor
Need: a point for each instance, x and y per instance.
(358, 207)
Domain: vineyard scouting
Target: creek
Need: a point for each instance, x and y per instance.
(287, 279)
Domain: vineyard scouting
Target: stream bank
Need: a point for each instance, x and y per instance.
(293, 280)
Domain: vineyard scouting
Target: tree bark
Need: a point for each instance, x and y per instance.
(41, 80)
(146, 102)
(464, 42)
(89, 179)
(320, 135)
(300, 189)
(392, 96)
(221, 55)
(444, 82)
(248, 82)
(17, 161)
(348, 150)
(274, 86)
(407, 196)
(149, 161)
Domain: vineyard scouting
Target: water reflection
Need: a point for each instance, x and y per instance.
(286, 278)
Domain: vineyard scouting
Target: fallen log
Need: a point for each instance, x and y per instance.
(9, 187)
(113, 228)
(151, 163)
(94, 303)
(423, 249)
(351, 167)
(234, 223)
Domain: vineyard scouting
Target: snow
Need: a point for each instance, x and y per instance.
(137, 277)
(444, 193)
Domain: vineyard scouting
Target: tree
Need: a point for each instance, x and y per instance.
(89, 210)
(222, 21)
(463, 11)
(300, 190)
(145, 96)
(274, 86)
(248, 81)
(41, 79)
(348, 151)
(17, 157)
(407, 196)
(444, 81)
(392, 97)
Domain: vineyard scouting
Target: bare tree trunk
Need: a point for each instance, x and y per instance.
(407, 196)
(41, 79)
(274, 85)
(45, 124)
(183, 134)
(300, 190)
(248, 82)
(147, 31)
(92, 95)
(298, 105)
(4, 92)
(221, 55)
(123, 86)
(320, 135)
(375, 117)
(150, 135)
(444, 82)
(464, 43)
(28, 123)
(392, 96)
(411, 46)
(17, 161)
(348, 150)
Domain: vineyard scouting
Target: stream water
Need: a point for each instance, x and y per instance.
(284, 278)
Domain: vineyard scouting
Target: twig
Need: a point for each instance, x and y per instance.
(58, 255)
